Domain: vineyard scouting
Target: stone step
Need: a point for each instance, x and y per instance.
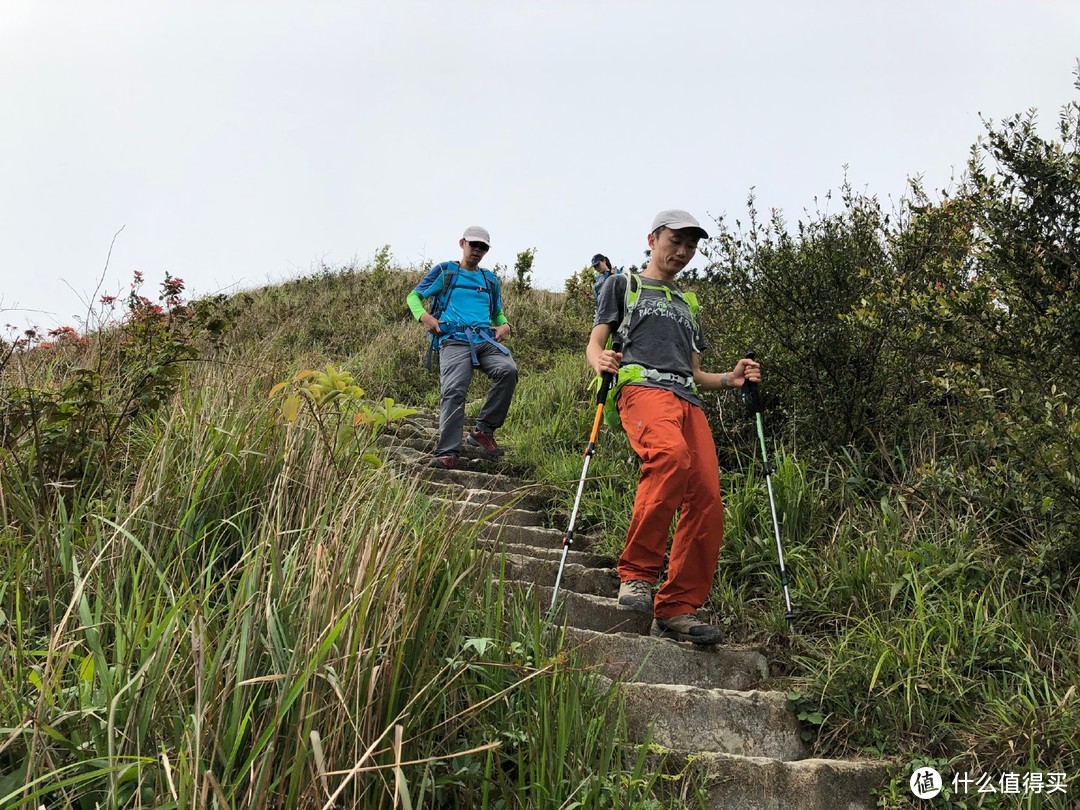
(418, 442)
(586, 559)
(760, 783)
(474, 511)
(590, 612)
(425, 444)
(403, 459)
(472, 474)
(411, 430)
(416, 464)
(537, 536)
(577, 578)
(426, 426)
(418, 452)
(484, 497)
(751, 723)
(493, 481)
(424, 419)
(628, 657)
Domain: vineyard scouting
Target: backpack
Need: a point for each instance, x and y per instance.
(601, 280)
(450, 279)
(635, 373)
(450, 272)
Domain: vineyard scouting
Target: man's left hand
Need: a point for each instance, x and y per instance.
(745, 370)
(502, 332)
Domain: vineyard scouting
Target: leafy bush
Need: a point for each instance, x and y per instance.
(67, 402)
(945, 333)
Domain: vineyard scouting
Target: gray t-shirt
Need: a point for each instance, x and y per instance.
(662, 334)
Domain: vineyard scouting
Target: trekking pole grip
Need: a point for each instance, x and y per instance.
(607, 379)
(751, 391)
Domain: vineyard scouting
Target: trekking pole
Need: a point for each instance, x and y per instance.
(751, 389)
(606, 381)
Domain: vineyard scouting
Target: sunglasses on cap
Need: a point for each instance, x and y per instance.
(479, 246)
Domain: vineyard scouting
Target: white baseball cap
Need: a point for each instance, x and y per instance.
(678, 220)
(474, 233)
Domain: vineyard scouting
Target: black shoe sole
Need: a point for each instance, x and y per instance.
(675, 635)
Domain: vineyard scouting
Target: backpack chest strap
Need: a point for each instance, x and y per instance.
(637, 373)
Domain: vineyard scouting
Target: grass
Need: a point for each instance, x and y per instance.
(239, 623)
(228, 617)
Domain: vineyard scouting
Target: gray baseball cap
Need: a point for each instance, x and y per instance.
(678, 220)
(474, 233)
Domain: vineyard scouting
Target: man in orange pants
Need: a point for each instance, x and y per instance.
(661, 412)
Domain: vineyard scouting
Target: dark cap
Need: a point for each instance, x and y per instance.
(599, 257)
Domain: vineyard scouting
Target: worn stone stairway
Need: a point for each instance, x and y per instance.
(709, 706)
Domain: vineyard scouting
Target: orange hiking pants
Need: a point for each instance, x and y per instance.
(679, 472)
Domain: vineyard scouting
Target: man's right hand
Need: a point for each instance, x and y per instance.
(608, 362)
(431, 323)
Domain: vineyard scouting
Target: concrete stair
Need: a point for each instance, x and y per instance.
(725, 721)
(479, 497)
(576, 577)
(763, 783)
(536, 536)
(644, 659)
(585, 558)
(704, 706)
(483, 510)
(589, 612)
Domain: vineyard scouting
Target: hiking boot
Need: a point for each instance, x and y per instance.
(486, 442)
(635, 595)
(447, 462)
(687, 628)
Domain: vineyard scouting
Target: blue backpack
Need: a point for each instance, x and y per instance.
(602, 279)
(450, 271)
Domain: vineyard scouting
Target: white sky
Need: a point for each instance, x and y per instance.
(241, 143)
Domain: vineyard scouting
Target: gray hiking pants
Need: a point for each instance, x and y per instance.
(455, 372)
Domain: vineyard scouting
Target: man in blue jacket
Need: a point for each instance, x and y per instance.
(468, 327)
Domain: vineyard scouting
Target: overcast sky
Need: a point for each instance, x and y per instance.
(242, 143)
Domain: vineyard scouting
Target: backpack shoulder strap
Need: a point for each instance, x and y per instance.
(630, 299)
(491, 280)
(450, 277)
(692, 302)
(633, 290)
